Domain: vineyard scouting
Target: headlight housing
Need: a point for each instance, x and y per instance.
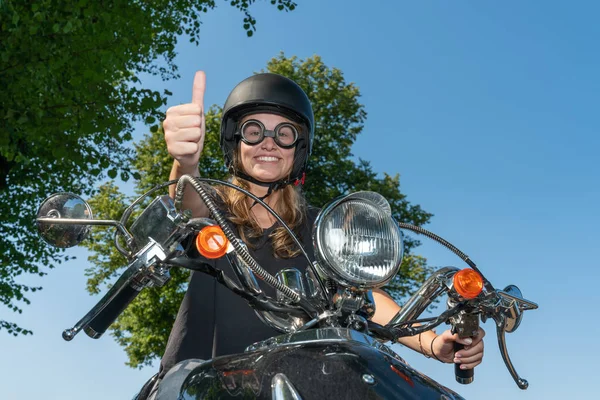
(357, 242)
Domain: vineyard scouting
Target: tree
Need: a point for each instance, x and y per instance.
(144, 327)
(69, 73)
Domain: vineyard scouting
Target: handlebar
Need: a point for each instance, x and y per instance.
(464, 376)
(504, 306)
(127, 287)
(97, 326)
(149, 266)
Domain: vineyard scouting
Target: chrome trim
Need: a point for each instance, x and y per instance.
(514, 314)
(465, 381)
(282, 388)
(323, 264)
(292, 278)
(136, 275)
(420, 300)
(521, 383)
(281, 322)
(79, 221)
(349, 301)
(368, 379)
(372, 197)
(244, 273)
(506, 309)
(329, 316)
(369, 307)
(323, 335)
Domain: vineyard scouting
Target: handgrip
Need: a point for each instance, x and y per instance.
(97, 326)
(464, 376)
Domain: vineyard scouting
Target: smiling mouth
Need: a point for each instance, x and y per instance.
(268, 159)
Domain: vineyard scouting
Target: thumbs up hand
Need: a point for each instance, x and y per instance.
(184, 128)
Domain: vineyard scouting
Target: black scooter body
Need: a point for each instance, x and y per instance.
(317, 364)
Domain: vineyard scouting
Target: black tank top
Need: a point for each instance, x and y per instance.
(212, 321)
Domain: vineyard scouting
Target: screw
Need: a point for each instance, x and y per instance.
(368, 378)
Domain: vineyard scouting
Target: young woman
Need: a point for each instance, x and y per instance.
(266, 137)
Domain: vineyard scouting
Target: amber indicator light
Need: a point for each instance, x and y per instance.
(468, 283)
(211, 242)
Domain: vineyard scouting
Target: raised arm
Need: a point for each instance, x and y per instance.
(185, 128)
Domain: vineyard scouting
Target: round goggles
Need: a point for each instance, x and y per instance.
(253, 132)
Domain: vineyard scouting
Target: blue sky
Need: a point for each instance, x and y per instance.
(488, 110)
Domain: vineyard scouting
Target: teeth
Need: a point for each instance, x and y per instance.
(267, 159)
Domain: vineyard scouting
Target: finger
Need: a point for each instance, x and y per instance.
(184, 109)
(183, 150)
(467, 341)
(199, 88)
(469, 360)
(186, 121)
(477, 349)
(470, 365)
(185, 135)
(173, 125)
(478, 338)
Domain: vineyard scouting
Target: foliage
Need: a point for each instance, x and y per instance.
(71, 91)
(144, 327)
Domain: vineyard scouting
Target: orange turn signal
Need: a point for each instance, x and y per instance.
(211, 242)
(468, 283)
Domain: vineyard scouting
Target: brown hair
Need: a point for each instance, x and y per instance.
(291, 207)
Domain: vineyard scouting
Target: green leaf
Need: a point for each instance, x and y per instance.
(68, 27)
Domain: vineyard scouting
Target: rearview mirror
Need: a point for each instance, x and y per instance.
(68, 210)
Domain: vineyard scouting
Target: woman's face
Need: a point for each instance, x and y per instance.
(266, 161)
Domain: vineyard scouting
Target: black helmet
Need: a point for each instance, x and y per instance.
(269, 93)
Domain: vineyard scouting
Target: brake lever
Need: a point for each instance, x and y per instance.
(500, 323)
(143, 271)
(507, 314)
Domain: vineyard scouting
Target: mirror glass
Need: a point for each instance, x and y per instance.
(513, 322)
(64, 207)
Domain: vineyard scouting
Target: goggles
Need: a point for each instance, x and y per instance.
(253, 132)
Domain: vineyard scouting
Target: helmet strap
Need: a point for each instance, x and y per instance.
(271, 186)
(262, 198)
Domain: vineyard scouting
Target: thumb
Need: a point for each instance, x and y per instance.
(198, 88)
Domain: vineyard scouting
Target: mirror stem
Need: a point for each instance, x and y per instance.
(81, 221)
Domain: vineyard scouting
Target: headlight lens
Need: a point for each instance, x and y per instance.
(357, 241)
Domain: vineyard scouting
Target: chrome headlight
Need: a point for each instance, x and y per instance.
(357, 242)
